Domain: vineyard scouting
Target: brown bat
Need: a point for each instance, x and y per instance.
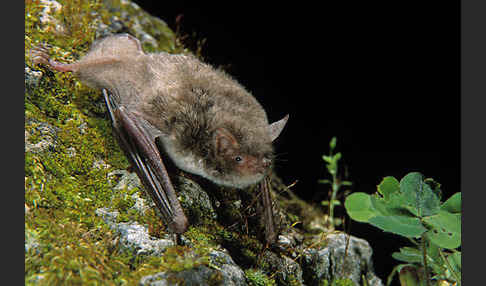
(205, 121)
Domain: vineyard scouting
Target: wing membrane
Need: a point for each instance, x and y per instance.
(144, 155)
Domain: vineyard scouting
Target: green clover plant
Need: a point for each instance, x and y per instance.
(412, 208)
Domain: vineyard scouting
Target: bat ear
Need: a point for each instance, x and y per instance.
(225, 142)
(275, 128)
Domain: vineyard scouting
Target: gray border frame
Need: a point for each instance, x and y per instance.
(473, 143)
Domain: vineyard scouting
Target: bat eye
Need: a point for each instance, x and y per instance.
(238, 159)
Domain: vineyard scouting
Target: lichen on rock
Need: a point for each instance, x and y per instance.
(221, 271)
(134, 237)
(342, 256)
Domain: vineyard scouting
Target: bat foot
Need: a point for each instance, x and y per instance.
(39, 55)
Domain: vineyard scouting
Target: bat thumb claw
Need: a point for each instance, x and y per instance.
(179, 225)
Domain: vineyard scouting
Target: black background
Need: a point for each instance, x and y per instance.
(383, 77)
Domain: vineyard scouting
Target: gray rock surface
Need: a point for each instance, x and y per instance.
(32, 78)
(47, 137)
(222, 271)
(232, 273)
(288, 271)
(192, 277)
(126, 180)
(316, 264)
(193, 197)
(334, 261)
(31, 242)
(135, 237)
(107, 215)
(139, 22)
(50, 7)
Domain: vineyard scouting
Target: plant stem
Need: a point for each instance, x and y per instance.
(424, 251)
(335, 188)
(458, 280)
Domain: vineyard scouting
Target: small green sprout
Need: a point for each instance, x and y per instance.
(335, 182)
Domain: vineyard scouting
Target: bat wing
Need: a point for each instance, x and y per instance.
(141, 150)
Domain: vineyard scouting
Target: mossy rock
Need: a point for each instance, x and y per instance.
(71, 166)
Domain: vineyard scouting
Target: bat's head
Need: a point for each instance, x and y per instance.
(240, 162)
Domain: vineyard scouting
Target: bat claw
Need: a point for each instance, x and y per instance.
(180, 224)
(40, 54)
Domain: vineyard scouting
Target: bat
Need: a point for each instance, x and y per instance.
(206, 122)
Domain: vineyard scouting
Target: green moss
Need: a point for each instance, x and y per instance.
(63, 188)
(70, 253)
(197, 214)
(181, 258)
(293, 281)
(338, 282)
(201, 237)
(256, 277)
